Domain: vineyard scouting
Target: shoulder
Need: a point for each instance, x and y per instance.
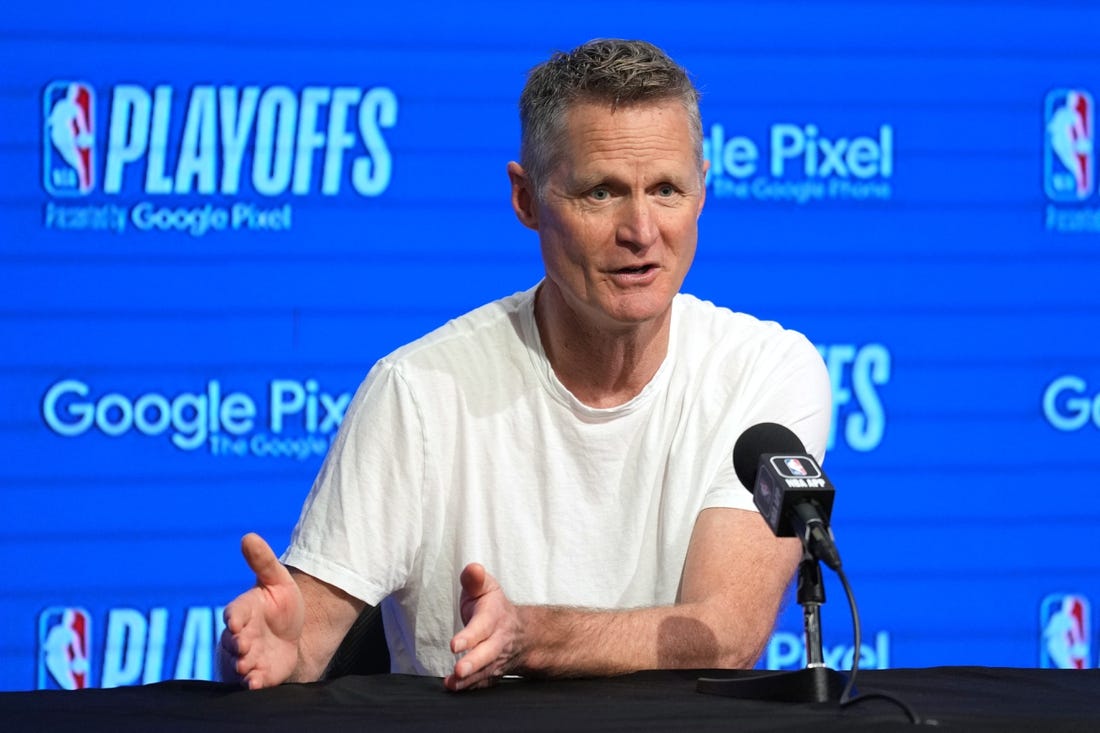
(486, 331)
(746, 370)
(442, 372)
(706, 330)
(461, 358)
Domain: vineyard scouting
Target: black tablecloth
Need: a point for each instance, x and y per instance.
(948, 698)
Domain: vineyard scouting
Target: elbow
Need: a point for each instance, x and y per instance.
(742, 655)
(690, 641)
(738, 654)
(744, 643)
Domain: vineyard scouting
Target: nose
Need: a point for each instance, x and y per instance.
(637, 226)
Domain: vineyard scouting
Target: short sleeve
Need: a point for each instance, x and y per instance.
(789, 386)
(360, 525)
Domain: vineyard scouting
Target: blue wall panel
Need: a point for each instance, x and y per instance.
(948, 281)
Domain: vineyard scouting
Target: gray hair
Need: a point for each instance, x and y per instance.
(611, 71)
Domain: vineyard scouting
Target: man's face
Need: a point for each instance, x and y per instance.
(617, 220)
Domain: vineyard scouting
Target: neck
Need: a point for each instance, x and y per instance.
(601, 366)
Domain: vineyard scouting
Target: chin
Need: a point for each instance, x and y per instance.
(636, 310)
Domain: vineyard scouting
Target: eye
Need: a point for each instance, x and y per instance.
(666, 189)
(599, 194)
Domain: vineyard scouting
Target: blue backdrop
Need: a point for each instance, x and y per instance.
(215, 217)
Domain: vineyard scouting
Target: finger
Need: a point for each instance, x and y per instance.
(484, 655)
(263, 562)
(244, 668)
(473, 579)
(476, 583)
(454, 683)
(237, 614)
(227, 665)
(485, 677)
(229, 643)
(477, 631)
(244, 646)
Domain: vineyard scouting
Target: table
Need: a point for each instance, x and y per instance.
(950, 698)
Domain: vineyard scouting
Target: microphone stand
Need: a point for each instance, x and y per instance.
(815, 683)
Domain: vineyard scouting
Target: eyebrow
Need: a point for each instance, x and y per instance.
(584, 181)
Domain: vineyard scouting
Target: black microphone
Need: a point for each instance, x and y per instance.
(791, 491)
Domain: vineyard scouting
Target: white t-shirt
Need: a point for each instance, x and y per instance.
(463, 447)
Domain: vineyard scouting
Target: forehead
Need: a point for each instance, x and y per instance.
(651, 131)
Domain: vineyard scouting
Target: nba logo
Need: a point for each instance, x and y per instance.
(1066, 629)
(64, 654)
(795, 467)
(1069, 162)
(68, 150)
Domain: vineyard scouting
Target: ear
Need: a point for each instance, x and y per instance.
(523, 196)
(703, 183)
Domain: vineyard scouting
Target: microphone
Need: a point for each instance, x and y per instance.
(788, 487)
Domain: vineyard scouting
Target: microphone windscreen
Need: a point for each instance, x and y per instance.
(765, 437)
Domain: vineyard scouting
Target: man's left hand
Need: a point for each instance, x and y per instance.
(492, 636)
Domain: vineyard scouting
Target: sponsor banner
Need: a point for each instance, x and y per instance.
(292, 419)
(298, 418)
(135, 646)
(207, 158)
(800, 164)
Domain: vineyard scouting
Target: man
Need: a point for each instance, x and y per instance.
(544, 486)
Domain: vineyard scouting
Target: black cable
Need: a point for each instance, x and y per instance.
(846, 697)
(857, 629)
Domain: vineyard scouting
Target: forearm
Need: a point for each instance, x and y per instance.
(571, 642)
(329, 613)
(729, 598)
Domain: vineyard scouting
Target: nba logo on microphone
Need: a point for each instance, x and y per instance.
(795, 467)
(64, 649)
(1067, 628)
(68, 138)
(1069, 162)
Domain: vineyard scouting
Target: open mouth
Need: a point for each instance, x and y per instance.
(639, 270)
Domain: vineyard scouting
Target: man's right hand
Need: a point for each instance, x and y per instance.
(263, 626)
